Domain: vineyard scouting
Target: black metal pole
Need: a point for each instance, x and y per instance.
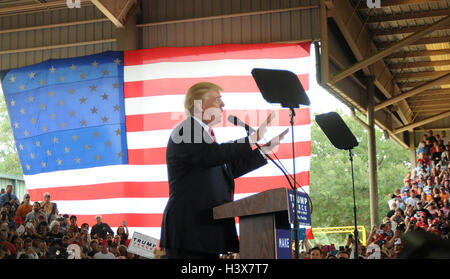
(354, 208)
(296, 224)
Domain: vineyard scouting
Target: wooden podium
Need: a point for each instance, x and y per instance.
(263, 217)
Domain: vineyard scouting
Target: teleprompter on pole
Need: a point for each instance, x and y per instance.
(342, 138)
(283, 87)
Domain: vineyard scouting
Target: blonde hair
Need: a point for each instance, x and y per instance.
(197, 92)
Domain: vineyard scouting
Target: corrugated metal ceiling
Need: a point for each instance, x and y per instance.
(422, 61)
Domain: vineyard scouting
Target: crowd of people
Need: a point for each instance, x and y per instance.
(38, 231)
(420, 205)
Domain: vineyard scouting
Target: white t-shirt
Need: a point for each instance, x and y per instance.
(390, 203)
(102, 256)
(412, 201)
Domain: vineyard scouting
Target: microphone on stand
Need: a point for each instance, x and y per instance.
(236, 121)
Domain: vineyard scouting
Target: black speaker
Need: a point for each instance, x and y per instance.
(280, 87)
(336, 130)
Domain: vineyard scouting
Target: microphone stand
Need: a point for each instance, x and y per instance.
(294, 188)
(354, 207)
(283, 87)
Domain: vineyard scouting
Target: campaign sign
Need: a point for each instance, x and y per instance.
(303, 209)
(301, 234)
(283, 243)
(143, 245)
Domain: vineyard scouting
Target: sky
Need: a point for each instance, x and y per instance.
(321, 100)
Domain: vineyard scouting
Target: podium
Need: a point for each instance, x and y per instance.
(264, 224)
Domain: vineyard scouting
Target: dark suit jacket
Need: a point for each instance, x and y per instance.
(201, 176)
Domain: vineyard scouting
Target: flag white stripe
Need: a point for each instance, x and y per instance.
(159, 138)
(97, 175)
(123, 205)
(150, 231)
(113, 206)
(246, 195)
(198, 69)
(136, 173)
(175, 103)
(301, 165)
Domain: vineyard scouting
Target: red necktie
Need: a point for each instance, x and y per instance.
(212, 135)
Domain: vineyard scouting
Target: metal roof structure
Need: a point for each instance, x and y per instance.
(423, 62)
(389, 60)
(405, 46)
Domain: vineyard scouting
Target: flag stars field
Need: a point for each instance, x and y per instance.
(47, 80)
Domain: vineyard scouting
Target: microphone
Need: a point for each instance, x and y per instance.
(236, 121)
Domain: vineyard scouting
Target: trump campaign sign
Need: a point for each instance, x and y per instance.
(143, 245)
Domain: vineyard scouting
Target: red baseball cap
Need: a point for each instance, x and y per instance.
(18, 220)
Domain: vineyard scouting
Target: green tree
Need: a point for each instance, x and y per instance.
(331, 180)
(9, 160)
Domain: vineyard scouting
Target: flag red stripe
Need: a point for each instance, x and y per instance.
(260, 184)
(179, 86)
(115, 220)
(154, 189)
(137, 220)
(216, 52)
(168, 120)
(105, 191)
(148, 156)
(157, 156)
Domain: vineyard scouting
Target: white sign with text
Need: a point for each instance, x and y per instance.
(143, 245)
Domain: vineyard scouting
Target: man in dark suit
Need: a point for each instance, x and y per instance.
(201, 176)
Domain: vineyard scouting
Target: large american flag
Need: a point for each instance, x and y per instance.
(92, 131)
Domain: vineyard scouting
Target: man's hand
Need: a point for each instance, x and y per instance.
(258, 135)
(269, 146)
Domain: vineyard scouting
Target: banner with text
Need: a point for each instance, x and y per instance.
(143, 245)
(303, 209)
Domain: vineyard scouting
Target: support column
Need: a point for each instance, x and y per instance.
(324, 61)
(128, 36)
(373, 189)
(412, 149)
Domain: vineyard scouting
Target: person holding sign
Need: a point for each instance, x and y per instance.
(201, 176)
